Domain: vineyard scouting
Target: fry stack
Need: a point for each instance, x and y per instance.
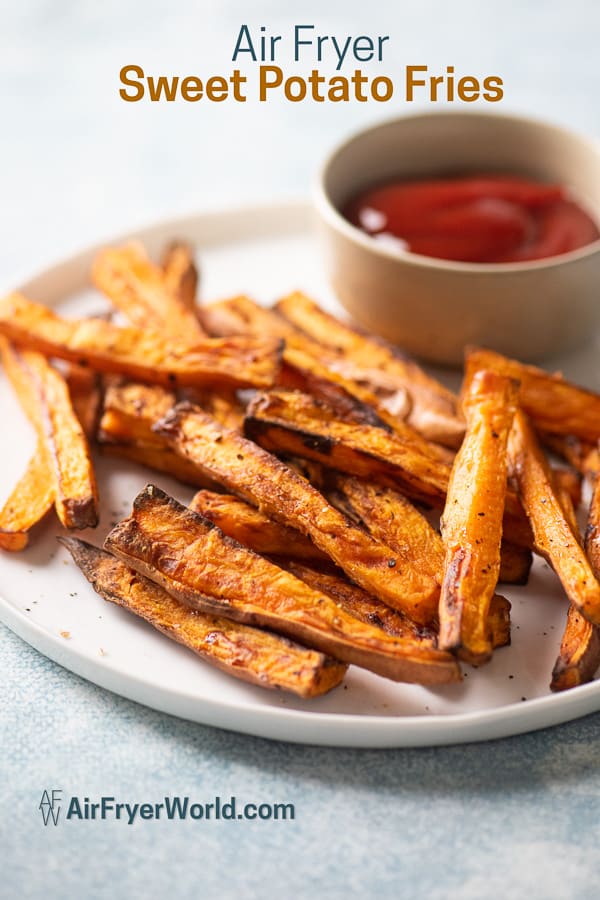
(324, 460)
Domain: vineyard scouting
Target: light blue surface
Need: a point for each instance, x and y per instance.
(516, 818)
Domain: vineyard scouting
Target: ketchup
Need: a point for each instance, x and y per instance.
(475, 218)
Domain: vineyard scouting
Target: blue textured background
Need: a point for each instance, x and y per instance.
(514, 818)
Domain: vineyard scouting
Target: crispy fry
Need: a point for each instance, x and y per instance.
(592, 531)
(192, 559)
(294, 423)
(161, 459)
(241, 315)
(306, 364)
(278, 491)
(553, 536)
(140, 355)
(374, 362)
(180, 273)
(292, 551)
(247, 653)
(131, 409)
(579, 654)
(568, 481)
(472, 518)
(390, 517)
(224, 406)
(314, 369)
(358, 603)
(553, 404)
(251, 527)
(28, 503)
(515, 563)
(85, 391)
(139, 290)
(584, 456)
(44, 396)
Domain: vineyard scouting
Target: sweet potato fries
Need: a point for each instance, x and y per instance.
(352, 509)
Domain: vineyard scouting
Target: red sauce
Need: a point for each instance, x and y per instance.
(477, 218)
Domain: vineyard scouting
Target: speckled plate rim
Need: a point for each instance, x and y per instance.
(295, 726)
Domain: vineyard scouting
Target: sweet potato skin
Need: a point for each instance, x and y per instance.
(246, 653)
(277, 490)
(592, 531)
(200, 566)
(28, 503)
(553, 404)
(472, 518)
(44, 396)
(141, 355)
(554, 538)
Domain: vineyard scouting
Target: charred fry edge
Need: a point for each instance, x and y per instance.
(244, 652)
(289, 606)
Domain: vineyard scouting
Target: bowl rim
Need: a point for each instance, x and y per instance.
(328, 211)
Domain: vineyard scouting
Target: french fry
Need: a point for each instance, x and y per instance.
(472, 518)
(139, 290)
(307, 366)
(197, 564)
(137, 354)
(85, 391)
(358, 603)
(579, 655)
(553, 404)
(313, 368)
(433, 407)
(131, 409)
(44, 396)
(180, 273)
(241, 315)
(251, 527)
(515, 563)
(160, 459)
(583, 456)
(247, 653)
(592, 531)
(554, 538)
(294, 423)
(28, 503)
(293, 552)
(390, 517)
(277, 490)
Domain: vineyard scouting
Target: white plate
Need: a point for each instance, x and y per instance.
(267, 252)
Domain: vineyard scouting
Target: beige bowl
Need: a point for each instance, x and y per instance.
(432, 307)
